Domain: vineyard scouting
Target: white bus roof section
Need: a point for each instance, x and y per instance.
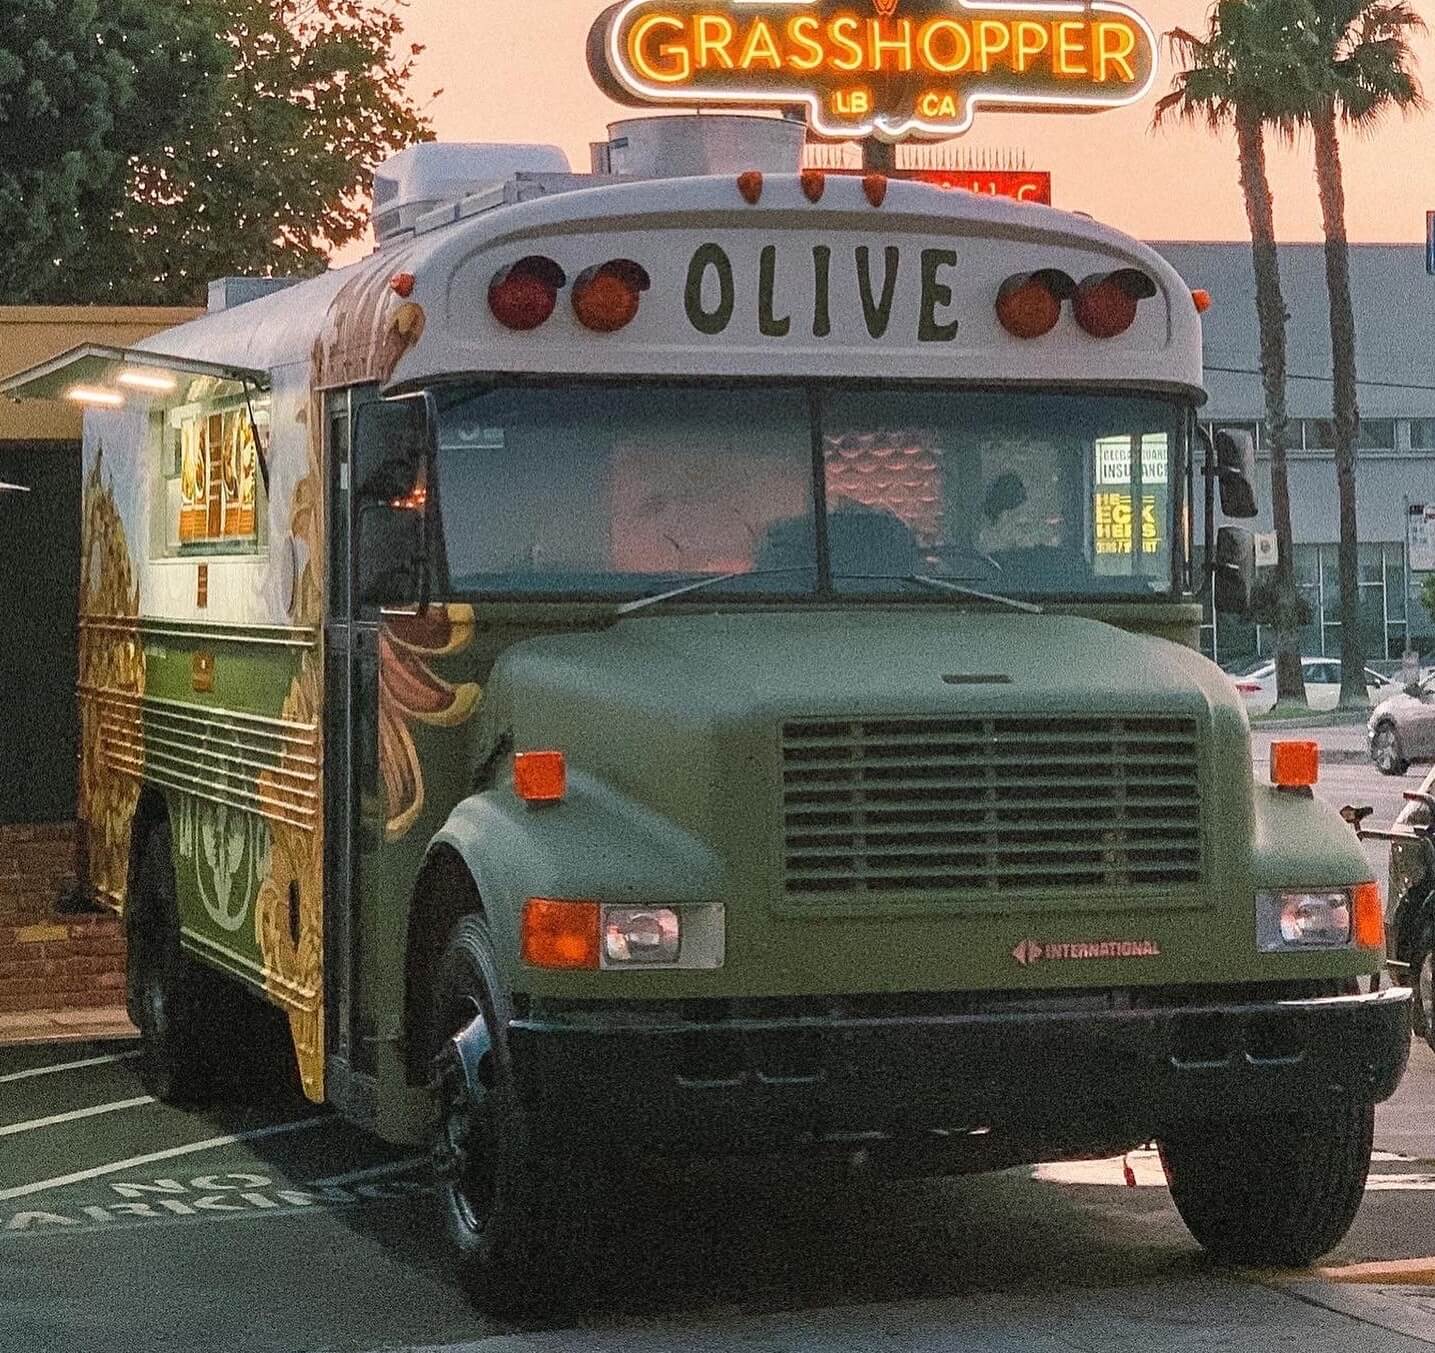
(964, 243)
(923, 250)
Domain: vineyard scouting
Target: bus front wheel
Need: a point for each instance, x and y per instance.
(505, 1204)
(1273, 1193)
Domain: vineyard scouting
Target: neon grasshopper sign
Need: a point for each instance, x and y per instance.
(891, 68)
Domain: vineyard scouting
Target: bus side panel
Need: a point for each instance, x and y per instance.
(201, 675)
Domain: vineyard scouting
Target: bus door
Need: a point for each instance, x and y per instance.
(377, 524)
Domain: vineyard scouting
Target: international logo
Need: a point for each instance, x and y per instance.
(895, 69)
(1033, 951)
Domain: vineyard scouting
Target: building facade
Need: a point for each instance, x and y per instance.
(40, 552)
(1394, 302)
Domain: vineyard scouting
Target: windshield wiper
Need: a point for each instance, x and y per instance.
(628, 607)
(941, 584)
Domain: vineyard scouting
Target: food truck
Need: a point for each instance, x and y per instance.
(709, 664)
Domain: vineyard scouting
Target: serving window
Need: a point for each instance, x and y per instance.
(211, 469)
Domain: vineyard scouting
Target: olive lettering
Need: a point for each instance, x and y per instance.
(716, 287)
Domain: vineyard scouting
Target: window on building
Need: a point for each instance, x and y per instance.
(1376, 434)
(1422, 434)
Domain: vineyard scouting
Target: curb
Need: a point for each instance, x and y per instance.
(1401, 1272)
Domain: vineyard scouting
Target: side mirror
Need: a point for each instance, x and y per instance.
(1236, 473)
(1234, 570)
(1415, 690)
(395, 519)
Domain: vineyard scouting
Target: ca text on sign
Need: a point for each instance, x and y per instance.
(893, 68)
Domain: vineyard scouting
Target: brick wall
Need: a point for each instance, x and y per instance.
(50, 961)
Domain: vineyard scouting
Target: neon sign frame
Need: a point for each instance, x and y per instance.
(614, 72)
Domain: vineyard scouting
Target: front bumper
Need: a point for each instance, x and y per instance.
(1017, 1084)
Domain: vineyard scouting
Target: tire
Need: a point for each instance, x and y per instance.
(1385, 750)
(1421, 957)
(1272, 1193)
(507, 1208)
(175, 1061)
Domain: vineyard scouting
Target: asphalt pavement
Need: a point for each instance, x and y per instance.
(270, 1227)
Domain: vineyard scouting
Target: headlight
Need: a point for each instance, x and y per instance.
(662, 937)
(1314, 920)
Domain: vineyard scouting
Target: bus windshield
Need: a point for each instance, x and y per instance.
(617, 491)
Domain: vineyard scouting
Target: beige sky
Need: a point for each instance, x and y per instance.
(514, 70)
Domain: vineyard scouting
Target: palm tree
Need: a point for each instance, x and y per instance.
(1355, 67)
(1234, 76)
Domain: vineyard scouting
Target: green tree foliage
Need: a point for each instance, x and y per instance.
(85, 85)
(264, 170)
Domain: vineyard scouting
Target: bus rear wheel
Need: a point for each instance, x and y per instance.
(174, 1061)
(506, 1205)
(1273, 1193)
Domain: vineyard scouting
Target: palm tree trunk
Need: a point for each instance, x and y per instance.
(1347, 413)
(1271, 315)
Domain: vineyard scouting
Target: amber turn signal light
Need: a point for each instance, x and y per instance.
(606, 297)
(1295, 765)
(540, 777)
(1367, 918)
(559, 934)
(1029, 303)
(522, 295)
(1105, 303)
(1201, 299)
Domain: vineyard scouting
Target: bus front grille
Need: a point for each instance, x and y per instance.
(988, 807)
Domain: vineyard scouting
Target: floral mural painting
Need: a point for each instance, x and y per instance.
(411, 692)
(289, 907)
(289, 910)
(112, 680)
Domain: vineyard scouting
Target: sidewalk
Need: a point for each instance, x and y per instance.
(66, 1026)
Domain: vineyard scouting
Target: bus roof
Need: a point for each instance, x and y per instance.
(783, 286)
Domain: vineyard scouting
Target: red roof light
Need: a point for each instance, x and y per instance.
(1029, 303)
(522, 296)
(1105, 303)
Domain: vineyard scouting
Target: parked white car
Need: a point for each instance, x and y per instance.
(1402, 728)
(1257, 685)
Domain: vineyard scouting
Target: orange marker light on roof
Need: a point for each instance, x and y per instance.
(559, 934)
(814, 184)
(749, 184)
(1295, 765)
(1201, 300)
(875, 186)
(540, 777)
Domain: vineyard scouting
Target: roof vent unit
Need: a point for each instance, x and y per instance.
(227, 292)
(715, 143)
(416, 180)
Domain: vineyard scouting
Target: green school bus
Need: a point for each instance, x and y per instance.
(710, 665)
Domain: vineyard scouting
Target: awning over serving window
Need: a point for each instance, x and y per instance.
(103, 376)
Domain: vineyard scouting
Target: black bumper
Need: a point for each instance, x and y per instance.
(1017, 1082)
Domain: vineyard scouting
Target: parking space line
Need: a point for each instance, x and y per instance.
(66, 1066)
(386, 1170)
(118, 1166)
(11, 1129)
